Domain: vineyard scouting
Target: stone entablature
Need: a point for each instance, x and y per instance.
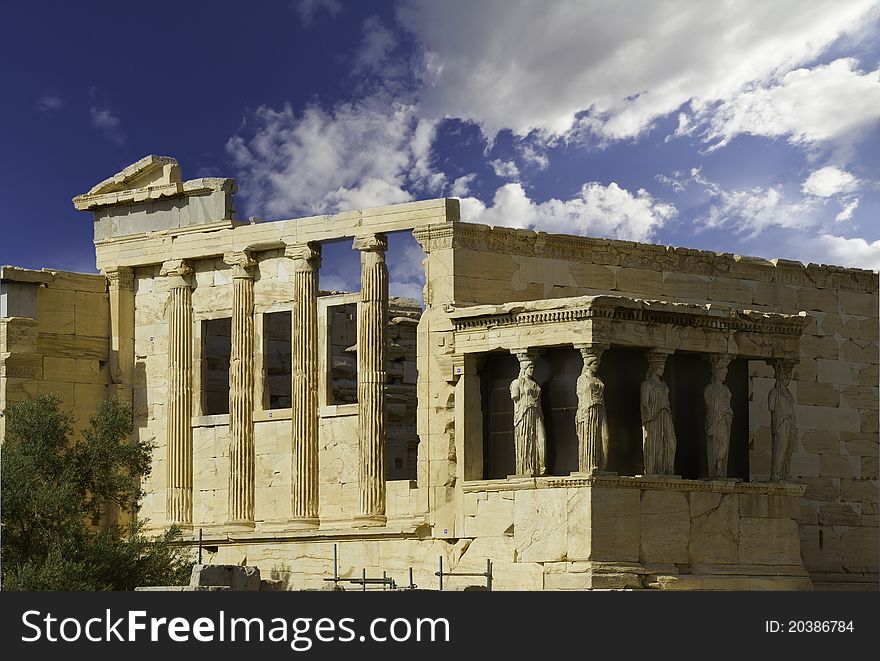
(624, 321)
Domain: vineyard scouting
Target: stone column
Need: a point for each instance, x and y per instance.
(178, 419)
(121, 288)
(304, 388)
(783, 423)
(719, 416)
(241, 392)
(372, 340)
(592, 423)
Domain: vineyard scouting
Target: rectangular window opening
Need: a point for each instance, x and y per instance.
(277, 359)
(216, 353)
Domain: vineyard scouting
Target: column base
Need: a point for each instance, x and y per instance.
(243, 525)
(302, 523)
(370, 520)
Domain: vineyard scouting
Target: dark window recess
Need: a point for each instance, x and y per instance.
(556, 371)
(276, 352)
(342, 347)
(622, 371)
(216, 352)
(499, 459)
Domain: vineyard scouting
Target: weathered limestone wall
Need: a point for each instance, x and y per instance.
(63, 348)
(835, 383)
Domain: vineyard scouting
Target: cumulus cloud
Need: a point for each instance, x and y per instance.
(364, 153)
(108, 124)
(551, 67)
(597, 210)
(828, 103)
(856, 252)
(829, 181)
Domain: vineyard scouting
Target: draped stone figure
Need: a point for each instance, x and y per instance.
(658, 432)
(719, 416)
(592, 424)
(783, 428)
(528, 421)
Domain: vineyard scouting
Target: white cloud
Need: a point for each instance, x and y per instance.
(462, 185)
(753, 210)
(533, 156)
(360, 154)
(597, 210)
(378, 42)
(504, 169)
(109, 124)
(847, 211)
(309, 9)
(829, 103)
(856, 252)
(531, 66)
(49, 103)
(829, 181)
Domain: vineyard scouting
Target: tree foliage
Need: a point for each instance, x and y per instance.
(54, 491)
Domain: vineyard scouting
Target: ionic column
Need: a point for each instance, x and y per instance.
(372, 341)
(304, 388)
(121, 289)
(178, 421)
(241, 392)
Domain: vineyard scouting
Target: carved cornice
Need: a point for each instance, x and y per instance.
(697, 317)
(434, 237)
(120, 278)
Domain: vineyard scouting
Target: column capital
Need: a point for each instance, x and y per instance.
(120, 277)
(526, 355)
(371, 243)
(590, 349)
(242, 263)
(178, 267)
(306, 256)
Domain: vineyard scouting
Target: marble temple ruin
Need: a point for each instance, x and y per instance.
(585, 413)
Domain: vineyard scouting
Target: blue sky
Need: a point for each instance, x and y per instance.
(753, 128)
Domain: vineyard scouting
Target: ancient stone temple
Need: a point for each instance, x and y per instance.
(585, 413)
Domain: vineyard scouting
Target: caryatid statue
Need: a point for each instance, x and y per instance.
(719, 415)
(658, 432)
(592, 424)
(783, 427)
(528, 420)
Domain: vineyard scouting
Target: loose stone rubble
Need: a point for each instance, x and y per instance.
(671, 418)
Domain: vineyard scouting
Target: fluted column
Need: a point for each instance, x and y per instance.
(304, 388)
(241, 392)
(120, 281)
(372, 340)
(178, 420)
